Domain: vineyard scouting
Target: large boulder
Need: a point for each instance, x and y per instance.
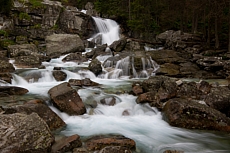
(59, 75)
(30, 61)
(99, 50)
(36, 20)
(75, 57)
(5, 66)
(12, 90)
(83, 82)
(75, 22)
(119, 45)
(37, 106)
(66, 144)
(58, 44)
(66, 99)
(24, 133)
(166, 56)
(22, 50)
(179, 40)
(193, 115)
(219, 99)
(157, 90)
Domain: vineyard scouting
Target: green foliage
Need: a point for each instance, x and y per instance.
(37, 26)
(36, 3)
(55, 27)
(6, 42)
(4, 33)
(25, 16)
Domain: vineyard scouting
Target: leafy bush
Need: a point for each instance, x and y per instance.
(25, 16)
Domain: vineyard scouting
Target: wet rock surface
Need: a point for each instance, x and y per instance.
(20, 133)
(193, 105)
(83, 82)
(66, 99)
(59, 75)
(37, 106)
(95, 66)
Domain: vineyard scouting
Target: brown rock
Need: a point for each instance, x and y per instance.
(24, 133)
(192, 115)
(66, 99)
(99, 142)
(67, 144)
(59, 75)
(173, 151)
(111, 101)
(37, 106)
(83, 82)
(115, 149)
(95, 66)
(189, 90)
(5, 66)
(12, 90)
(219, 99)
(137, 89)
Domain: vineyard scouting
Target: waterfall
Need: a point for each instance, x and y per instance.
(108, 31)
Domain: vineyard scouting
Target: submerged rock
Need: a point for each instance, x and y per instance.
(24, 133)
(66, 99)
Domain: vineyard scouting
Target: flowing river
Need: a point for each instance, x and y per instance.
(141, 123)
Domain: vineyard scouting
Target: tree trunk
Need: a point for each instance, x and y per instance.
(229, 28)
(209, 34)
(194, 22)
(217, 43)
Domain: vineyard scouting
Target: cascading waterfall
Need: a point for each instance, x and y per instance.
(108, 31)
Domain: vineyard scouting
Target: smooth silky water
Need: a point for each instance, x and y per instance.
(139, 122)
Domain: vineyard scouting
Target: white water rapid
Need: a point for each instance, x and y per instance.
(141, 123)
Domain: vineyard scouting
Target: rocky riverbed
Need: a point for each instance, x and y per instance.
(163, 75)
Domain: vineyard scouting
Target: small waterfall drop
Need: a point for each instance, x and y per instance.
(108, 31)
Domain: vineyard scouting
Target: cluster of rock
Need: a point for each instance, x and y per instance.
(185, 55)
(187, 104)
(30, 127)
(51, 30)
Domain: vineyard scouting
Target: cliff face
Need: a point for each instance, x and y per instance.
(33, 22)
